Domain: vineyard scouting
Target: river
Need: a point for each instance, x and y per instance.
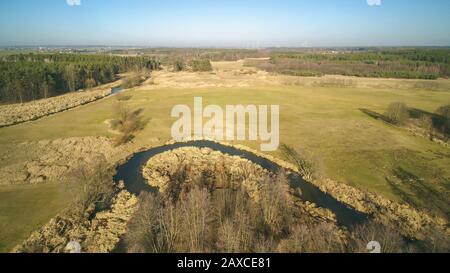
(135, 183)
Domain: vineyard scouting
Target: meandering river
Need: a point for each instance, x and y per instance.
(131, 174)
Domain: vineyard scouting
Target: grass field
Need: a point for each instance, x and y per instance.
(327, 122)
(23, 209)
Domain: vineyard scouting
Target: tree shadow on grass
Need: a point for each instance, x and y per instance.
(418, 193)
(439, 122)
(375, 115)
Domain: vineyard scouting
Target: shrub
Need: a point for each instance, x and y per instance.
(127, 123)
(201, 65)
(123, 98)
(427, 85)
(444, 111)
(426, 123)
(133, 81)
(397, 113)
(179, 65)
(307, 167)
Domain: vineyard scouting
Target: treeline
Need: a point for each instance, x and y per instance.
(27, 77)
(168, 55)
(390, 63)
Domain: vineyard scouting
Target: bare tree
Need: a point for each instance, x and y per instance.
(127, 123)
(197, 215)
(320, 238)
(92, 186)
(389, 240)
(276, 204)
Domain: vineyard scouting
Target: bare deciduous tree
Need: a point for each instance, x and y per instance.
(390, 241)
(91, 186)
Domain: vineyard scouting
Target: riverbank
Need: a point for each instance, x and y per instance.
(13, 114)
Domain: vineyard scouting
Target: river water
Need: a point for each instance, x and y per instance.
(131, 174)
(116, 90)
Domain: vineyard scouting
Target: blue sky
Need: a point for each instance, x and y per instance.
(229, 23)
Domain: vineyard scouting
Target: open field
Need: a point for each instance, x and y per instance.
(320, 119)
(26, 208)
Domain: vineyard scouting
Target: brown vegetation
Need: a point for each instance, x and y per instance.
(201, 220)
(135, 80)
(390, 240)
(91, 187)
(444, 111)
(201, 65)
(17, 113)
(198, 217)
(308, 167)
(127, 123)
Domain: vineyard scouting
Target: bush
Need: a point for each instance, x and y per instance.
(127, 123)
(179, 65)
(426, 123)
(444, 111)
(132, 81)
(397, 113)
(124, 98)
(308, 168)
(201, 65)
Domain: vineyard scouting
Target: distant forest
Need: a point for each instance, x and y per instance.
(169, 55)
(417, 63)
(31, 76)
(27, 77)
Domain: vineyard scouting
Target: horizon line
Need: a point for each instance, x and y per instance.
(216, 47)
